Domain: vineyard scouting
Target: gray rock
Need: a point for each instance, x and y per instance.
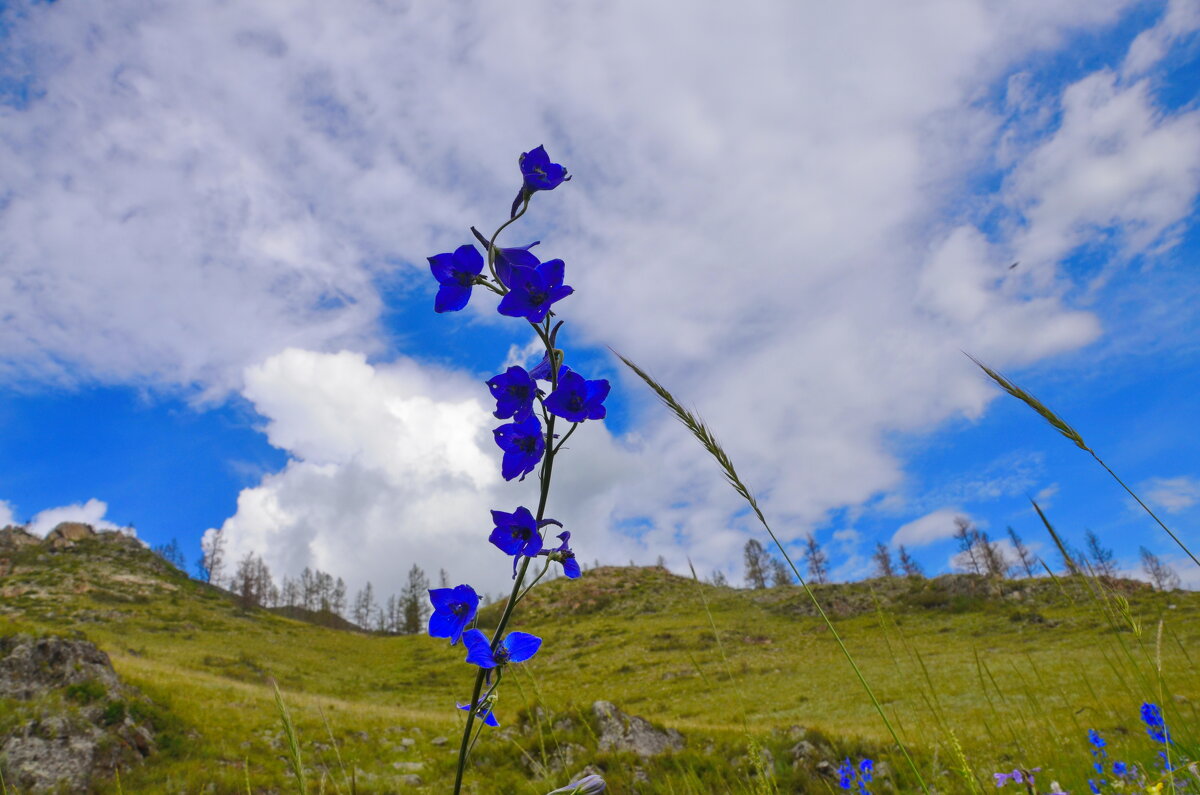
(66, 534)
(73, 740)
(408, 767)
(439, 741)
(826, 768)
(410, 780)
(13, 538)
(803, 750)
(621, 732)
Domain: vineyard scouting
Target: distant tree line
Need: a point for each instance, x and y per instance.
(977, 554)
(319, 592)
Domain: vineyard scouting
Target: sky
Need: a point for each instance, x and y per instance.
(216, 307)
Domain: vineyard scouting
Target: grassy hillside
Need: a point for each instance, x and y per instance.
(1016, 672)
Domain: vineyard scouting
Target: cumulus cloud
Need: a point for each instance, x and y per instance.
(1173, 495)
(6, 514)
(91, 512)
(928, 529)
(782, 235)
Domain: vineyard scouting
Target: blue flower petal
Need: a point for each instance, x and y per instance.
(451, 298)
(479, 649)
(521, 646)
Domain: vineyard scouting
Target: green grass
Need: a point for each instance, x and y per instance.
(1016, 671)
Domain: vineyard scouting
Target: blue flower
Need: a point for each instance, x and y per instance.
(506, 258)
(483, 711)
(517, 533)
(523, 447)
(1095, 739)
(453, 609)
(578, 399)
(1120, 769)
(565, 556)
(845, 774)
(539, 174)
(1155, 726)
(514, 391)
(516, 647)
(456, 274)
(1094, 787)
(864, 769)
(588, 785)
(533, 290)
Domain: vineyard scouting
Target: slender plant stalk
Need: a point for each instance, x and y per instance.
(709, 442)
(289, 730)
(1066, 430)
(548, 336)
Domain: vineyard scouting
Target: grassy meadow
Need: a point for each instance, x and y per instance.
(1013, 672)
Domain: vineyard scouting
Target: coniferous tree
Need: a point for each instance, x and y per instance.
(908, 565)
(1025, 558)
(994, 562)
(338, 600)
(415, 599)
(364, 606)
(1162, 575)
(967, 537)
(757, 564)
(171, 553)
(780, 573)
(308, 589)
(212, 559)
(291, 592)
(883, 560)
(816, 560)
(1101, 558)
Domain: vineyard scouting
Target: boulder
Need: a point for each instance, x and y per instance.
(75, 724)
(622, 732)
(13, 538)
(66, 534)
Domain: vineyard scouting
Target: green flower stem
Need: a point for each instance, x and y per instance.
(516, 595)
(491, 252)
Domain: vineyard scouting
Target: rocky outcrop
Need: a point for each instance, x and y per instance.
(622, 732)
(74, 715)
(67, 533)
(13, 538)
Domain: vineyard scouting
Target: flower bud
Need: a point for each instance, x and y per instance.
(588, 785)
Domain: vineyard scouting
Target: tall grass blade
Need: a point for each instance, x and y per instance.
(1066, 430)
(289, 730)
(710, 444)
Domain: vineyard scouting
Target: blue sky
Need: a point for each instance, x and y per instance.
(215, 310)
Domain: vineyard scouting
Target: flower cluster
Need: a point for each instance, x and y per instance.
(530, 402)
(849, 775)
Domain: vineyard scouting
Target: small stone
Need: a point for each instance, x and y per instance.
(410, 780)
(439, 741)
(407, 742)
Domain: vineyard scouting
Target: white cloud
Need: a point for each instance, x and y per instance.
(781, 235)
(928, 529)
(1173, 495)
(1181, 17)
(91, 512)
(6, 514)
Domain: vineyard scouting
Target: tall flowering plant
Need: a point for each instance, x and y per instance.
(532, 405)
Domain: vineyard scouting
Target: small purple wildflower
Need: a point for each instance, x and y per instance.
(516, 647)
(514, 391)
(453, 609)
(578, 399)
(456, 273)
(523, 447)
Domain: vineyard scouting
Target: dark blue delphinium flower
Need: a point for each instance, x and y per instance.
(506, 258)
(516, 647)
(523, 446)
(1120, 769)
(483, 711)
(533, 290)
(865, 767)
(1155, 726)
(453, 609)
(578, 399)
(1098, 752)
(517, 533)
(845, 775)
(456, 274)
(541, 372)
(565, 556)
(1095, 786)
(539, 174)
(514, 391)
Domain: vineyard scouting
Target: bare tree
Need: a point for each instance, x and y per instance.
(1025, 558)
(883, 560)
(994, 562)
(718, 578)
(252, 581)
(415, 600)
(171, 553)
(338, 601)
(1161, 574)
(816, 560)
(212, 558)
(308, 589)
(443, 579)
(966, 535)
(910, 567)
(364, 606)
(291, 592)
(1101, 557)
(780, 574)
(757, 563)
